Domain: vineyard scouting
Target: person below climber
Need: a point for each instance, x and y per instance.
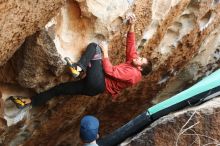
(89, 129)
(112, 80)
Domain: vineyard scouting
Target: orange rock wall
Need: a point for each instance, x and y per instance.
(179, 34)
(19, 19)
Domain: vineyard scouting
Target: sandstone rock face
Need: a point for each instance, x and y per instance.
(3, 123)
(19, 19)
(36, 64)
(40, 60)
(181, 40)
(192, 126)
(87, 21)
(72, 31)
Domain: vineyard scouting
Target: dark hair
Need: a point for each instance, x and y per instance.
(146, 68)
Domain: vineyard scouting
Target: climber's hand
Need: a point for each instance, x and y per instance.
(104, 47)
(131, 19)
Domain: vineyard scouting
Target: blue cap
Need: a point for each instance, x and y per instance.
(89, 127)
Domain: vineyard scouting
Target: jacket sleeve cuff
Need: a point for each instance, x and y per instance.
(105, 62)
(130, 33)
(105, 59)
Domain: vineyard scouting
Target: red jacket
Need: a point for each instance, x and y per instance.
(123, 75)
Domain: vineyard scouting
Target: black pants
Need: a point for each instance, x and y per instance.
(91, 85)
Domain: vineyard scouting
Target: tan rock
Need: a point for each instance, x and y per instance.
(180, 35)
(41, 62)
(3, 123)
(19, 19)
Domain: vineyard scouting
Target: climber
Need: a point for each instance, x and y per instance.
(112, 80)
(89, 128)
